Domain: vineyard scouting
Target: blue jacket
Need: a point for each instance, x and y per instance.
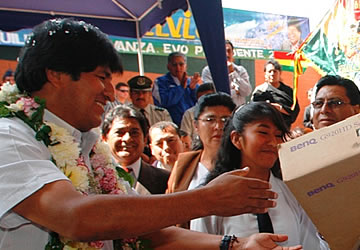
(173, 97)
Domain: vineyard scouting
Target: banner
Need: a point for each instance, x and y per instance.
(334, 46)
(263, 30)
(254, 35)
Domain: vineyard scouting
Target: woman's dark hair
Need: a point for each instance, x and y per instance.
(229, 157)
(123, 111)
(66, 46)
(213, 99)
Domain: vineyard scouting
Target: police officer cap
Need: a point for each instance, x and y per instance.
(142, 83)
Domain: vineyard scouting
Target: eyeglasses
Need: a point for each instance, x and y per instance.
(331, 103)
(123, 90)
(212, 119)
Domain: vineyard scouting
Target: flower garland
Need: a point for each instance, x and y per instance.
(102, 177)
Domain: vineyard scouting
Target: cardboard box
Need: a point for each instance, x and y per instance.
(322, 169)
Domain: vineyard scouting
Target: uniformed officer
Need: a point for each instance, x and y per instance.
(140, 94)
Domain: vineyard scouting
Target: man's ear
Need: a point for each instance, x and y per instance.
(195, 124)
(54, 77)
(357, 108)
(151, 148)
(236, 139)
(147, 139)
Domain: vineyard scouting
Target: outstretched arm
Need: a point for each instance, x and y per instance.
(58, 207)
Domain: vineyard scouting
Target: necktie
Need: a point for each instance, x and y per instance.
(131, 172)
(128, 170)
(264, 223)
(147, 121)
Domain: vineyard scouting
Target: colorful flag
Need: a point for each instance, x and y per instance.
(294, 62)
(334, 46)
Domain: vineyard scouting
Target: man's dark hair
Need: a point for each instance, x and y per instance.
(352, 91)
(121, 84)
(123, 111)
(175, 54)
(214, 99)
(230, 43)
(8, 73)
(275, 63)
(163, 125)
(206, 86)
(295, 24)
(66, 46)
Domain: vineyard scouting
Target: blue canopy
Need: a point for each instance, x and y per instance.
(127, 18)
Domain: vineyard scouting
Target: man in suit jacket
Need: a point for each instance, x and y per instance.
(125, 130)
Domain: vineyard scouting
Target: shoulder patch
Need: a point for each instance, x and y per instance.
(157, 108)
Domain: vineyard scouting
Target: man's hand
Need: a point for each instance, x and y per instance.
(194, 80)
(230, 67)
(280, 108)
(269, 78)
(263, 241)
(233, 194)
(183, 79)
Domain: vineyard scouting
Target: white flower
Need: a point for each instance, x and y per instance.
(16, 107)
(78, 176)
(103, 149)
(9, 93)
(65, 154)
(66, 151)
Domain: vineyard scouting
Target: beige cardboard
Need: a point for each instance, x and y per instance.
(322, 169)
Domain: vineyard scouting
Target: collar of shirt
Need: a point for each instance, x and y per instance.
(86, 139)
(135, 167)
(147, 108)
(176, 80)
(274, 183)
(50, 117)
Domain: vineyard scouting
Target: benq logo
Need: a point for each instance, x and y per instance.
(320, 189)
(303, 145)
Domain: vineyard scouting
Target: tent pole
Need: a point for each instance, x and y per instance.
(140, 55)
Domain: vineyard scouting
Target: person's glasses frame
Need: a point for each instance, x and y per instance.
(331, 103)
(213, 119)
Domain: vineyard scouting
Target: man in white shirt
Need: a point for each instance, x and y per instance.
(69, 64)
(240, 86)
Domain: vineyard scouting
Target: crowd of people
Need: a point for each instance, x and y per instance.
(88, 166)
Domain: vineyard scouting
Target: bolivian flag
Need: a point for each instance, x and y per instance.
(293, 62)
